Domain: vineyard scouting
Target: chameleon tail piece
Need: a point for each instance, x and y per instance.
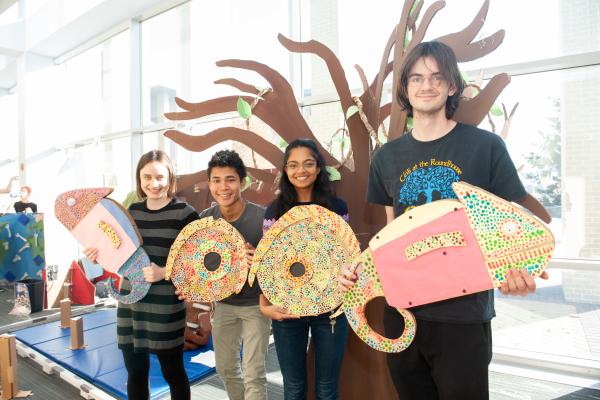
(366, 288)
(132, 270)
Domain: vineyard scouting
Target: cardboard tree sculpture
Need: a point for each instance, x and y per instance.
(441, 250)
(277, 107)
(99, 222)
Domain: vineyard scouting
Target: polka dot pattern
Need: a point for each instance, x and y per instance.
(186, 261)
(133, 271)
(110, 232)
(367, 287)
(70, 207)
(509, 237)
(318, 239)
(448, 239)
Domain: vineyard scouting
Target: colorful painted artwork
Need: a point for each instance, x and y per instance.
(298, 260)
(207, 262)
(102, 223)
(367, 287)
(442, 250)
(21, 247)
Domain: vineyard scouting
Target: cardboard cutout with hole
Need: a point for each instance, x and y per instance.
(297, 262)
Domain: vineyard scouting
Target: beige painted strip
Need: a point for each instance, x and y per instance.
(412, 219)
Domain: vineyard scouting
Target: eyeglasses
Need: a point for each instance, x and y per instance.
(419, 80)
(308, 165)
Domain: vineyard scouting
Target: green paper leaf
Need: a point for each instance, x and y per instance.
(131, 198)
(414, 7)
(477, 91)
(346, 142)
(243, 108)
(407, 39)
(334, 174)
(247, 183)
(351, 111)
(465, 76)
(282, 144)
(496, 111)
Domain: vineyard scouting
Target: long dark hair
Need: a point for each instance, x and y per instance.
(446, 61)
(322, 193)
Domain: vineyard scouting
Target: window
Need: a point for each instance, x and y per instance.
(553, 142)
(64, 102)
(116, 83)
(165, 62)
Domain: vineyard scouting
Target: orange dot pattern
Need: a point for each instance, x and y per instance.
(367, 287)
(319, 239)
(185, 263)
(509, 237)
(70, 207)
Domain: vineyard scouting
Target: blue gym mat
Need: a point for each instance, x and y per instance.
(100, 362)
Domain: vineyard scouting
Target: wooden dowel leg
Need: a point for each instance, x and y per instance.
(77, 333)
(65, 313)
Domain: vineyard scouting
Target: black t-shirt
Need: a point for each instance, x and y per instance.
(406, 173)
(21, 207)
(249, 224)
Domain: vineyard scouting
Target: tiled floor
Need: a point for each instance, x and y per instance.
(502, 387)
(567, 330)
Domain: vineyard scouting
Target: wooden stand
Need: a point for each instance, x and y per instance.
(65, 313)
(66, 291)
(8, 363)
(77, 333)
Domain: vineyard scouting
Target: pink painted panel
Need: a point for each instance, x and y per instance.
(89, 234)
(438, 275)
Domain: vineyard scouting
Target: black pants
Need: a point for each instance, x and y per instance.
(445, 361)
(171, 365)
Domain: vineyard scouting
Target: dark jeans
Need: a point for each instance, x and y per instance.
(291, 340)
(171, 365)
(446, 361)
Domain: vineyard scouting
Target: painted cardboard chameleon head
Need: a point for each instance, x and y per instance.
(99, 222)
(442, 250)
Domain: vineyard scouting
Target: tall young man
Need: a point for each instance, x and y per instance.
(452, 349)
(238, 319)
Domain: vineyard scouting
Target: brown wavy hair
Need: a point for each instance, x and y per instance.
(161, 157)
(446, 61)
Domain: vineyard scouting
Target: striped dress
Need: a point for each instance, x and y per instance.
(156, 322)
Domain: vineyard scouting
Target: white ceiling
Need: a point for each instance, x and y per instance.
(6, 4)
(44, 38)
